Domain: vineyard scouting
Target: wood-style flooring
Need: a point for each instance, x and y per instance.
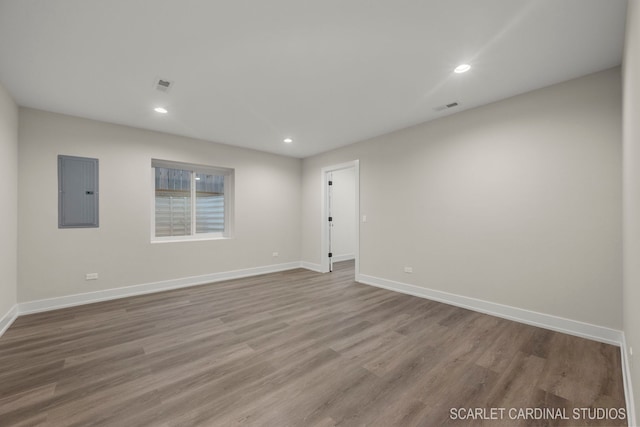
(293, 349)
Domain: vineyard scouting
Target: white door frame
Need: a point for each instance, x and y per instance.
(324, 226)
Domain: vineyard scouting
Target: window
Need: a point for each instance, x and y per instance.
(191, 202)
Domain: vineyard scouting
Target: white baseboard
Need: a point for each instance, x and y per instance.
(626, 378)
(542, 320)
(311, 266)
(9, 317)
(346, 257)
(128, 291)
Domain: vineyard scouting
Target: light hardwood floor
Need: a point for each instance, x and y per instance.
(292, 349)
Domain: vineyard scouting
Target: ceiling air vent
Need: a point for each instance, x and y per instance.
(163, 85)
(446, 106)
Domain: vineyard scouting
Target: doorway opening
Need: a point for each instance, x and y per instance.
(340, 215)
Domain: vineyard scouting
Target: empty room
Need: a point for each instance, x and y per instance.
(319, 213)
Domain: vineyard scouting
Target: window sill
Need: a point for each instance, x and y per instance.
(189, 239)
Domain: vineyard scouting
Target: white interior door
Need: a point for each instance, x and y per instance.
(330, 216)
(341, 233)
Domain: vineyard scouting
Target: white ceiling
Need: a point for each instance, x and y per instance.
(326, 72)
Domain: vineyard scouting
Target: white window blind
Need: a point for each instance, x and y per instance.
(191, 200)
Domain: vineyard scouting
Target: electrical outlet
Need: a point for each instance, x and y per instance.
(275, 254)
(91, 276)
(630, 351)
(408, 269)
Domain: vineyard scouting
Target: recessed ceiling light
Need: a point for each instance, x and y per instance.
(462, 68)
(288, 140)
(160, 110)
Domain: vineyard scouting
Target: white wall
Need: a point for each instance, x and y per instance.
(517, 202)
(8, 201)
(53, 262)
(343, 236)
(631, 143)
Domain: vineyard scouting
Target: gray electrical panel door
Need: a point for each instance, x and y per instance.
(77, 192)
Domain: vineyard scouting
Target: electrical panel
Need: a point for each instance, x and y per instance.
(77, 192)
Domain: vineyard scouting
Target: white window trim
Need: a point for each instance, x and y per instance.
(229, 175)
